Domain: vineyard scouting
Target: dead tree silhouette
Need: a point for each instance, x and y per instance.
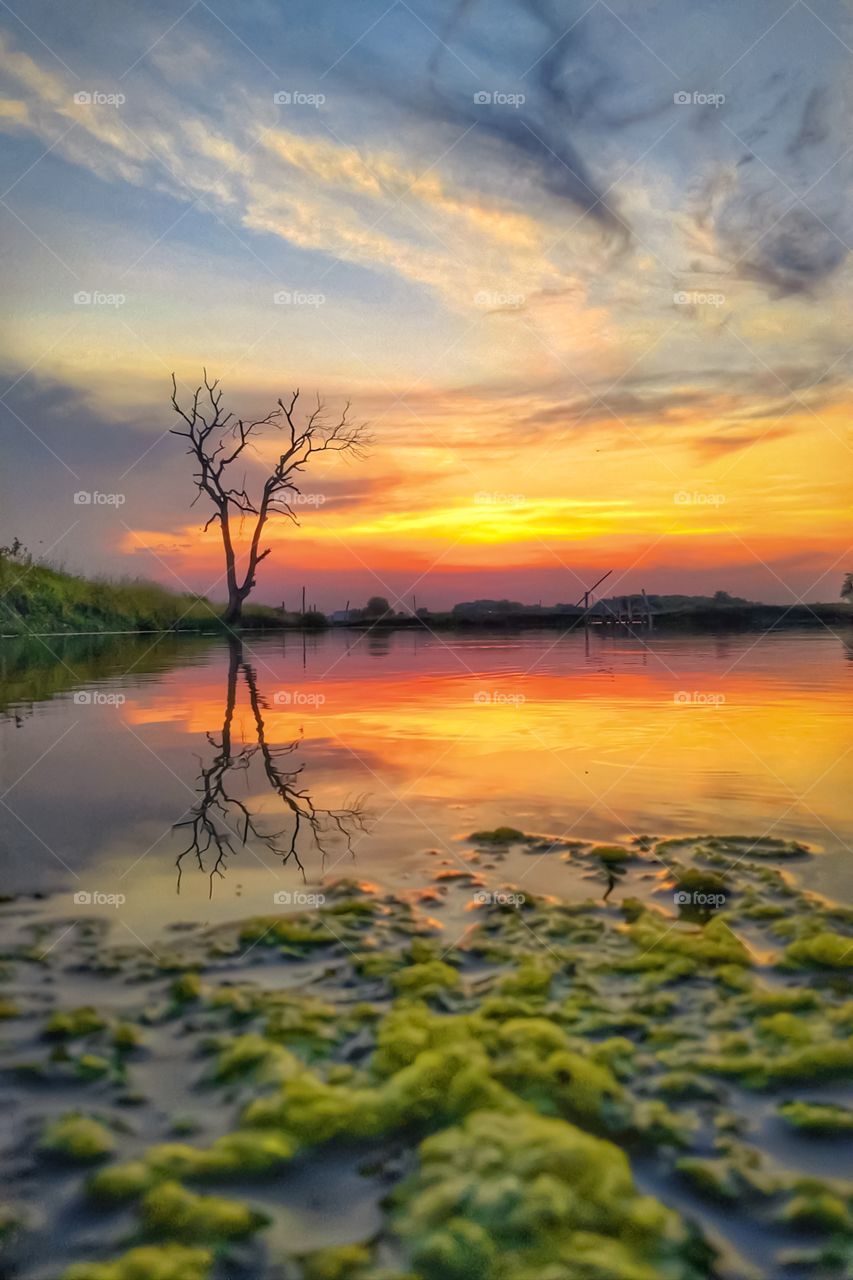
(220, 823)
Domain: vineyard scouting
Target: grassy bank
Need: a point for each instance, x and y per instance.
(37, 598)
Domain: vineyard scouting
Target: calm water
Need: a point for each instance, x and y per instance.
(403, 744)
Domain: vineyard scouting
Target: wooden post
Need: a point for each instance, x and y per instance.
(303, 599)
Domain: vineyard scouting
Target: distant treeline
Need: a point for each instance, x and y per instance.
(41, 599)
(612, 604)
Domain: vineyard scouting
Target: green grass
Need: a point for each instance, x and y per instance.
(40, 598)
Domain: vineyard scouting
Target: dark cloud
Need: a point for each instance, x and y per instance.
(795, 251)
(721, 443)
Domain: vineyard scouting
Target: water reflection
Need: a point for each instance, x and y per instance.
(220, 817)
(596, 737)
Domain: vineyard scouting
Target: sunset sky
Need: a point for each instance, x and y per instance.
(584, 268)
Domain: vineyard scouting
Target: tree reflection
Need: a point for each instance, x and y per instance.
(220, 822)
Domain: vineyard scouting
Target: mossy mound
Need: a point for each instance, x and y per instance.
(821, 951)
(824, 1118)
(74, 1024)
(499, 836)
(171, 1210)
(78, 1138)
(524, 1196)
(148, 1262)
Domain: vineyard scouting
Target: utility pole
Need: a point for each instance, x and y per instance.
(303, 599)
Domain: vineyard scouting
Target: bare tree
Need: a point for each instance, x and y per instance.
(219, 818)
(217, 442)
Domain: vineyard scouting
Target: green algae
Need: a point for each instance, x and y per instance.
(611, 854)
(822, 1118)
(78, 1138)
(715, 1179)
(821, 951)
(171, 1210)
(148, 1262)
(91, 1066)
(817, 1210)
(499, 836)
(604, 1022)
(186, 988)
(505, 1195)
(427, 980)
(686, 1085)
(337, 1263)
(74, 1024)
(120, 1182)
(255, 1055)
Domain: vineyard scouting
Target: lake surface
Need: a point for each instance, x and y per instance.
(399, 745)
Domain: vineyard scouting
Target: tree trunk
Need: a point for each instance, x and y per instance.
(234, 612)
